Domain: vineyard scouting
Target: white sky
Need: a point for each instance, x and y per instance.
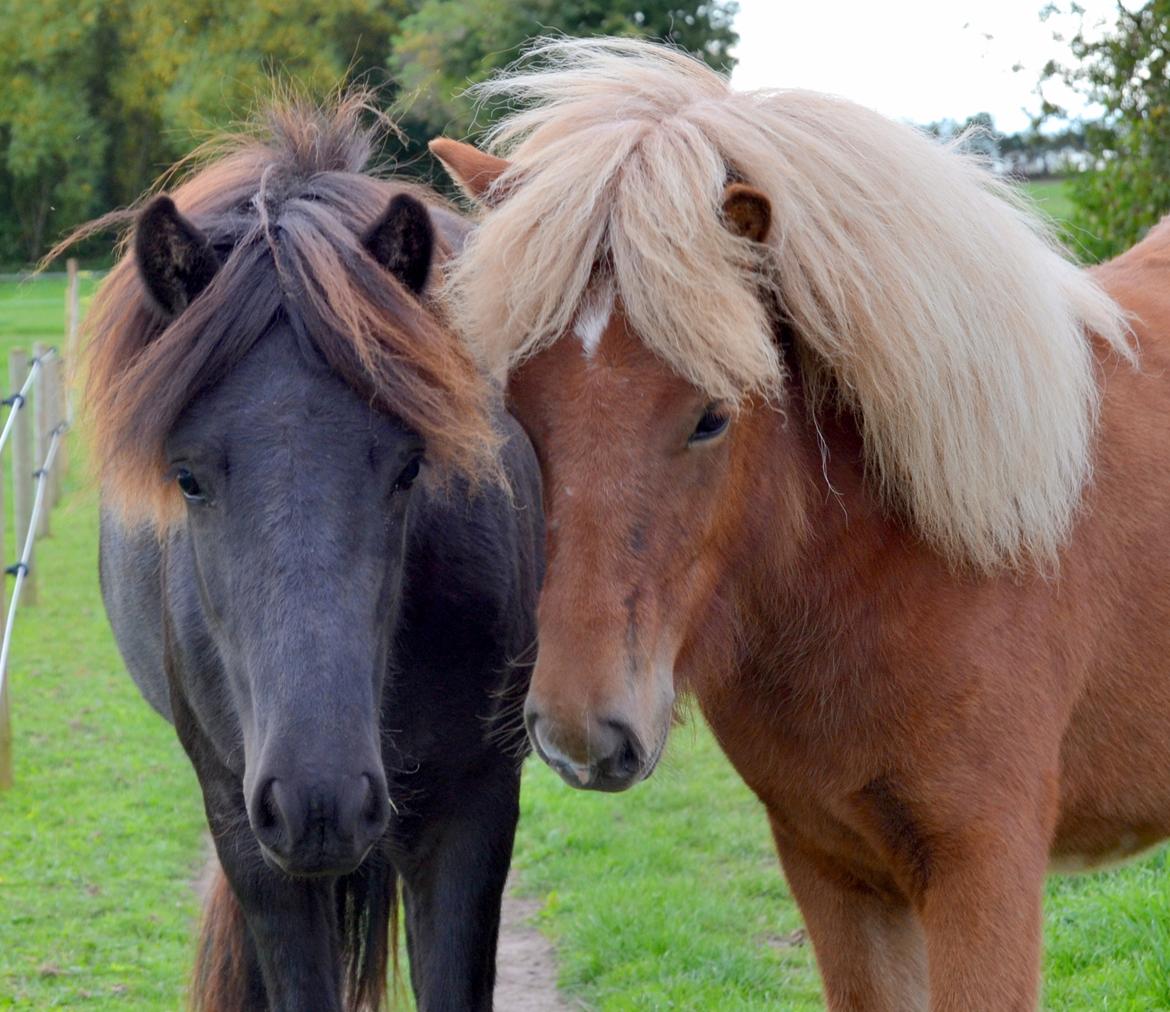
(919, 60)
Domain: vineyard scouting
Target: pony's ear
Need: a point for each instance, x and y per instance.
(473, 170)
(403, 241)
(175, 259)
(747, 212)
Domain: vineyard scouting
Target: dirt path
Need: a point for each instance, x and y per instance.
(526, 967)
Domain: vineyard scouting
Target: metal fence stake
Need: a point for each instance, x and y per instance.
(22, 465)
(36, 488)
(5, 713)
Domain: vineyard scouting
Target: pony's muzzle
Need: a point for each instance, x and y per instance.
(608, 757)
(324, 827)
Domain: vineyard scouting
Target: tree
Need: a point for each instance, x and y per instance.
(52, 147)
(1126, 72)
(448, 45)
(103, 95)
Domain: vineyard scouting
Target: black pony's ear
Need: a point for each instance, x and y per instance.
(175, 259)
(403, 241)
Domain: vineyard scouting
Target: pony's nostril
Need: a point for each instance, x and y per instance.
(375, 806)
(265, 816)
(267, 819)
(625, 760)
(628, 761)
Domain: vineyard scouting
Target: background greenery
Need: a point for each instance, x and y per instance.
(1125, 71)
(668, 897)
(101, 837)
(100, 96)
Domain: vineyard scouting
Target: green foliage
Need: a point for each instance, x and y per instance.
(103, 95)
(51, 148)
(448, 45)
(1126, 72)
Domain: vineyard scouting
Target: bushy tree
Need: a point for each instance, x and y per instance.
(448, 45)
(1126, 72)
(52, 145)
(102, 95)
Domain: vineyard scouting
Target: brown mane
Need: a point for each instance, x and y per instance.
(285, 204)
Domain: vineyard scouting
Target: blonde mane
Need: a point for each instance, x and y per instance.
(923, 294)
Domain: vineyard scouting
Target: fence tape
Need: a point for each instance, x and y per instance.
(22, 565)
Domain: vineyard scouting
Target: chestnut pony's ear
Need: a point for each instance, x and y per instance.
(473, 170)
(403, 241)
(747, 212)
(176, 260)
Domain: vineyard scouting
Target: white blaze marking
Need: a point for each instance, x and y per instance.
(593, 317)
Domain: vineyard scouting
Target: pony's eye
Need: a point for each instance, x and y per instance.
(408, 475)
(714, 422)
(189, 486)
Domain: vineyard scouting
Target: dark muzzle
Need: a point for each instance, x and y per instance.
(323, 826)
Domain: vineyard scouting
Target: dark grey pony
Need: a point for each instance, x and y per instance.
(303, 577)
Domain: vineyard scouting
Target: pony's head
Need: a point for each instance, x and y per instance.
(267, 384)
(667, 270)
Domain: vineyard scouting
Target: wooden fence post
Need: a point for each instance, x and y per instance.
(65, 414)
(56, 399)
(72, 336)
(43, 425)
(72, 301)
(22, 469)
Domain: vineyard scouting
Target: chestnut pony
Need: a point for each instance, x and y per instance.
(833, 436)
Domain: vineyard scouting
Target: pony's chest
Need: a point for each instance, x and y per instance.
(813, 811)
(817, 766)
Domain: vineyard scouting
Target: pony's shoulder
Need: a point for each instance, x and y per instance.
(1151, 254)
(1139, 278)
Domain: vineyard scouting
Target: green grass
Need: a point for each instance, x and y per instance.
(668, 897)
(101, 835)
(34, 310)
(1052, 196)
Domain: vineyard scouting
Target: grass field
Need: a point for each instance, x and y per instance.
(668, 897)
(100, 837)
(1052, 197)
